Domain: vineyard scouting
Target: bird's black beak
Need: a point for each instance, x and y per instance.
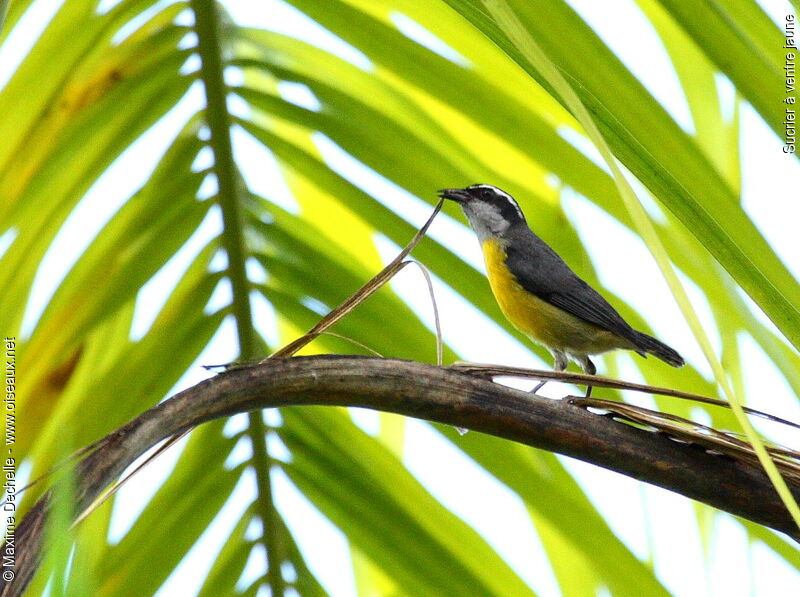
(457, 195)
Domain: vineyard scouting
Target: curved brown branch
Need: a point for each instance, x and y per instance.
(425, 392)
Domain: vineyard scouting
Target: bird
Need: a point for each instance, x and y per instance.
(540, 294)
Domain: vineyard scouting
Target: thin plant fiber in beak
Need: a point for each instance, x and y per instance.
(457, 195)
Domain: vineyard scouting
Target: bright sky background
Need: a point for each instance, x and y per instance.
(662, 520)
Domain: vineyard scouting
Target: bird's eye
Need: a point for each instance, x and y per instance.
(487, 194)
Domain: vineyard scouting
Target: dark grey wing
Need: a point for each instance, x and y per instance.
(543, 273)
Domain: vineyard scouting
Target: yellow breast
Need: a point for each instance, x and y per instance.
(538, 319)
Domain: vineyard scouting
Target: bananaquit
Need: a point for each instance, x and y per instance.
(539, 294)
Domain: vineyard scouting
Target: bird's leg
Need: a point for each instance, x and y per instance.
(590, 369)
(560, 364)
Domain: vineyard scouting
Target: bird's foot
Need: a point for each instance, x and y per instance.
(538, 387)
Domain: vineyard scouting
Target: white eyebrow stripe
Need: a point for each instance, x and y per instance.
(501, 193)
(516, 207)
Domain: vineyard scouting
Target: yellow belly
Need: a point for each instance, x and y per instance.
(538, 319)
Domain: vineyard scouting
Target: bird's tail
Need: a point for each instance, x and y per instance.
(648, 344)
